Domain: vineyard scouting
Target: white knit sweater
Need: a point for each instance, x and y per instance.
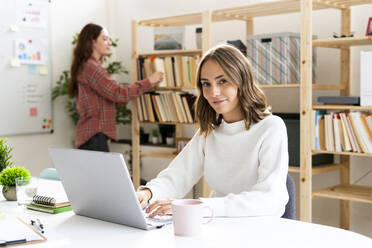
(246, 170)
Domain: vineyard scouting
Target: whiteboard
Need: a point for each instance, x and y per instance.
(25, 67)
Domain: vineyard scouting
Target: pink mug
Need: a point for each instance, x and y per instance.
(187, 216)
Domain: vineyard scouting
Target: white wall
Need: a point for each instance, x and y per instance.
(70, 16)
(67, 17)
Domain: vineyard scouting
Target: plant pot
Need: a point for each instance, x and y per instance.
(155, 140)
(170, 140)
(10, 193)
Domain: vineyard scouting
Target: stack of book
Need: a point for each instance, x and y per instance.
(343, 132)
(49, 205)
(50, 198)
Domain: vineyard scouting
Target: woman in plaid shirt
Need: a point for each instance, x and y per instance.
(97, 94)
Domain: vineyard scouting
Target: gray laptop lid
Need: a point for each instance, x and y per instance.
(98, 185)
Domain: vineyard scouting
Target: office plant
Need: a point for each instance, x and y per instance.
(7, 180)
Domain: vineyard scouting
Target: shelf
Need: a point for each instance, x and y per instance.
(346, 192)
(315, 86)
(279, 86)
(342, 153)
(173, 88)
(160, 154)
(248, 12)
(343, 42)
(172, 53)
(342, 107)
(318, 169)
(166, 123)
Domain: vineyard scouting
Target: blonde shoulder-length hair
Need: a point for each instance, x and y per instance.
(236, 66)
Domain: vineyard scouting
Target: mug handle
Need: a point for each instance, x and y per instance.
(210, 217)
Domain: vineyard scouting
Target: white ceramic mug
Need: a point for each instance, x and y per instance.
(188, 215)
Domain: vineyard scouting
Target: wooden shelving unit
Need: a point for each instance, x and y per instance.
(345, 192)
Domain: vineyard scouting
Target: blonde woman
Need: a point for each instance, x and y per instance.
(240, 148)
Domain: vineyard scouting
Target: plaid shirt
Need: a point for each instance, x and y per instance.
(97, 98)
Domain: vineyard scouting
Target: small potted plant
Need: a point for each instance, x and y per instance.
(7, 180)
(155, 136)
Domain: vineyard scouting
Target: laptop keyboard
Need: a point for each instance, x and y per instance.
(158, 221)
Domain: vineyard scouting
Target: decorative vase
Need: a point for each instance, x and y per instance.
(10, 193)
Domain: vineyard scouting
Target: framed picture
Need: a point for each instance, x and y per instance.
(181, 143)
(169, 38)
(369, 27)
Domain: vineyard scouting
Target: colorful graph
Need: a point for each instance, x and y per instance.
(31, 51)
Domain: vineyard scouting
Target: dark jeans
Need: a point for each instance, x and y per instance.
(97, 143)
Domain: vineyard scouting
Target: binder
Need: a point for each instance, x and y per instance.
(16, 229)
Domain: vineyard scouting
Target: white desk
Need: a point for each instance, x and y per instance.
(70, 230)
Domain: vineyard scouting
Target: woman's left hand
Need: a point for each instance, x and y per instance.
(160, 208)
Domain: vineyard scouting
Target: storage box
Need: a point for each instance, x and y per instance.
(275, 58)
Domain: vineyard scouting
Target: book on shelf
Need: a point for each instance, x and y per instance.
(341, 100)
(166, 107)
(179, 71)
(367, 122)
(336, 132)
(159, 65)
(343, 132)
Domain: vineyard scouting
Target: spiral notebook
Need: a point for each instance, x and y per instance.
(51, 202)
(51, 193)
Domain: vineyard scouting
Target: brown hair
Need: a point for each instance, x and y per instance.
(82, 52)
(251, 98)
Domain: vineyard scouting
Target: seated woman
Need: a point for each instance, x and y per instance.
(240, 148)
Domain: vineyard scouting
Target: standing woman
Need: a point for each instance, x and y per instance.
(97, 94)
(240, 148)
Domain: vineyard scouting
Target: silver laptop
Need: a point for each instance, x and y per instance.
(99, 186)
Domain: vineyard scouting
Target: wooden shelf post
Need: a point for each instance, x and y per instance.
(206, 44)
(345, 82)
(136, 174)
(306, 106)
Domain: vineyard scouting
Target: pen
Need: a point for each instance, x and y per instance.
(40, 224)
(39, 227)
(12, 242)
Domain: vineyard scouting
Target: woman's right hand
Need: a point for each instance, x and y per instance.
(156, 78)
(144, 196)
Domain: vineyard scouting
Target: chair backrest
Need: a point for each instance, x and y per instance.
(290, 208)
(49, 173)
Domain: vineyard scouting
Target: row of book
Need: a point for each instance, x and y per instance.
(166, 107)
(343, 131)
(179, 71)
